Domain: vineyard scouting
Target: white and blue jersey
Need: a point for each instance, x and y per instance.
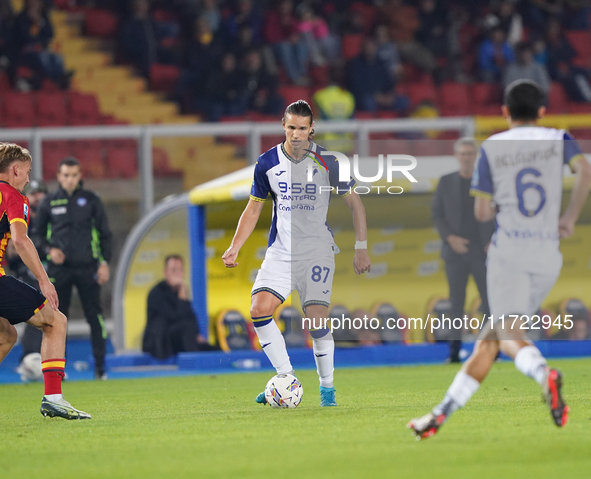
(299, 230)
(521, 171)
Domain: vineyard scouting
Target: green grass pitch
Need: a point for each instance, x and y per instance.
(210, 427)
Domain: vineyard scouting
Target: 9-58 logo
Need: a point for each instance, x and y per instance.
(298, 189)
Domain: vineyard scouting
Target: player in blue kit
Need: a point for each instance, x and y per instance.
(300, 255)
(518, 181)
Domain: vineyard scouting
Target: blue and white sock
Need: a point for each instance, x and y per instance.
(273, 344)
(323, 345)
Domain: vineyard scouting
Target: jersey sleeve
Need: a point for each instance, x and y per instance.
(343, 188)
(17, 209)
(260, 184)
(482, 184)
(572, 150)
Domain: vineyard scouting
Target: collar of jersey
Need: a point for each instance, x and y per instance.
(291, 158)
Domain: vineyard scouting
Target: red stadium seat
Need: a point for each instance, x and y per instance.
(84, 109)
(19, 109)
(54, 151)
(51, 109)
(122, 163)
(295, 93)
(352, 45)
(557, 99)
(487, 98)
(578, 108)
(91, 155)
(455, 99)
(581, 42)
(100, 23)
(419, 92)
(164, 77)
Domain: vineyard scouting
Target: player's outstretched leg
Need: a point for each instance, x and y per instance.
(54, 326)
(270, 337)
(529, 361)
(463, 387)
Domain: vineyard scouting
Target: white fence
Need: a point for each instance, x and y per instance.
(253, 131)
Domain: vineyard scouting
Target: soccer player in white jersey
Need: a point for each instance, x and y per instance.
(518, 178)
(301, 248)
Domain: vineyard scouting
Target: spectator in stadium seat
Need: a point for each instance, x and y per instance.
(210, 11)
(433, 32)
(493, 56)
(226, 93)
(403, 22)
(172, 325)
(387, 52)
(465, 240)
(281, 32)
(31, 34)
(561, 54)
(371, 84)
(525, 68)
(6, 20)
(245, 43)
(261, 86)
(323, 47)
(247, 13)
(144, 42)
(507, 19)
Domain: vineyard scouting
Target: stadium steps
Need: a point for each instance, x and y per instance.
(125, 96)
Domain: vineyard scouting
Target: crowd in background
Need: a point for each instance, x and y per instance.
(235, 54)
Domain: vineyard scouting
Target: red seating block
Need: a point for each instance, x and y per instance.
(122, 163)
(581, 42)
(419, 92)
(100, 23)
(487, 98)
(295, 93)
(164, 77)
(19, 110)
(557, 99)
(455, 99)
(53, 153)
(51, 109)
(84, 109)
(352, 45)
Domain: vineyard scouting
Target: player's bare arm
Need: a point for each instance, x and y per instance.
(361, 263)
(484, 209)
(26, 250)
(580, 191)
(246, 224)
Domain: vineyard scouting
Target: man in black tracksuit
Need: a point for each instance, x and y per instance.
(71, 228)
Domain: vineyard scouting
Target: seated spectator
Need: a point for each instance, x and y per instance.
(371, 84)
(561, 54)
(247, 14)
(493, 56)
(144, 42)
(403, 22)
(323, 47)
(210, 11)
(31, 35)
(526, 69)
(226, 93)
(507, 19)
(432, 32)
(387, 52)
(281, 32)
(245, 43)
(172, 325)
(6, 20)
(580, 330)
(261, 86)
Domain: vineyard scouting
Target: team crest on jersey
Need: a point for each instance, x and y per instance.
(26, 212)
(81, 201)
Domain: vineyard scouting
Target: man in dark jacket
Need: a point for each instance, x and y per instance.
(71, 228)
(172, 325)
(465, 240)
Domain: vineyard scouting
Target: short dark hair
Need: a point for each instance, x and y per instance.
(173, 256)
(68, 161)
(524, 98)
(300, 108)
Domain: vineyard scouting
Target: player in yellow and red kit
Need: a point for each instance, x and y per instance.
(20, 302)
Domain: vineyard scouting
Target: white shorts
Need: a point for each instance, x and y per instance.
(511, 291)
(311, 278)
